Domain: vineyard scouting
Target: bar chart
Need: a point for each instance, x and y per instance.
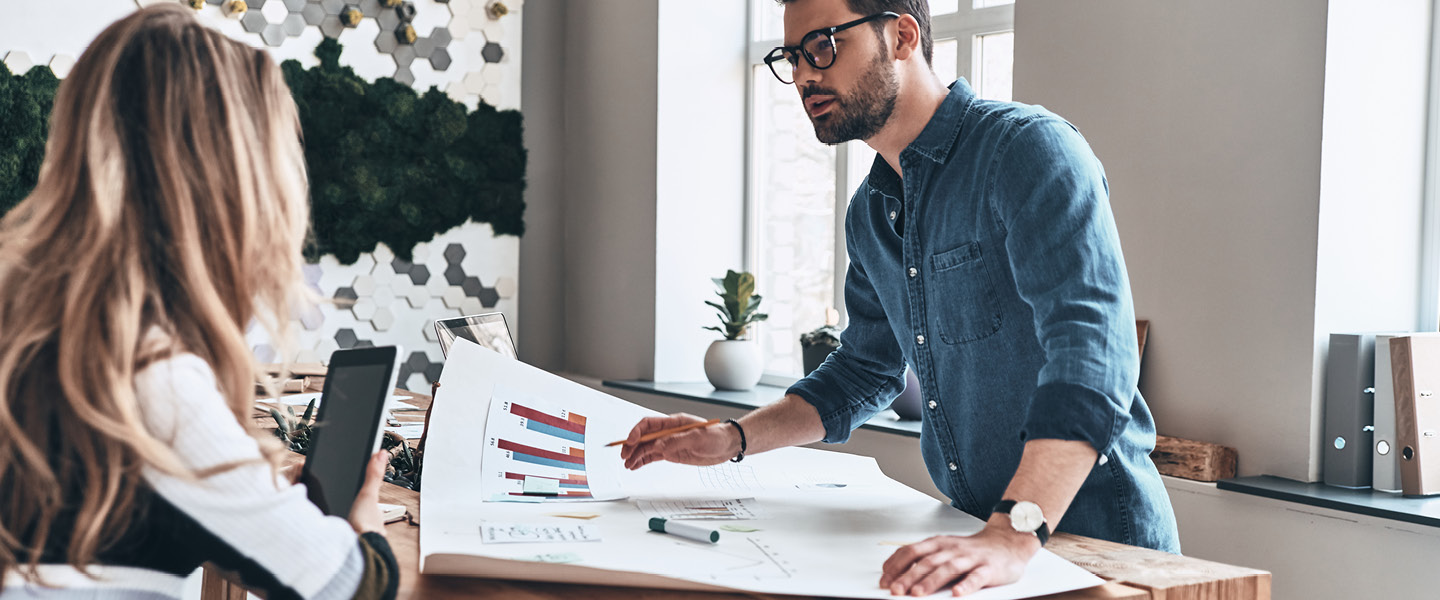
(535, 453)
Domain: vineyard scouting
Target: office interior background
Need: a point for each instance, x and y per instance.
(1272, 169)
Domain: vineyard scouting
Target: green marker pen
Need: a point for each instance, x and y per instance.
(685, 530)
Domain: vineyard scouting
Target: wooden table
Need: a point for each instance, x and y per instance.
(1130, 572)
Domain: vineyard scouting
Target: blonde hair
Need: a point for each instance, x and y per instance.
(172, 198)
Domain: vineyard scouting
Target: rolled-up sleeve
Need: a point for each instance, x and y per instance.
(864, 375)
(1053, 201)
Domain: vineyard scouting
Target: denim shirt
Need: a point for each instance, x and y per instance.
(993, 269)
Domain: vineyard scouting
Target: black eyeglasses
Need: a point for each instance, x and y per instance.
(818, 48)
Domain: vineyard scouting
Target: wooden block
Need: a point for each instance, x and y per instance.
(1164, 575)
(1189, 459)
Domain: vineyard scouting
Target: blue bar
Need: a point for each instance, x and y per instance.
(534, 425)
(577, 486)
(536, 460)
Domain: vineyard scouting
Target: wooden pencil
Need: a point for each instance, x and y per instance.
(655, 435)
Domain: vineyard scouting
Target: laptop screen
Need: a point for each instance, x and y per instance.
(488, 330)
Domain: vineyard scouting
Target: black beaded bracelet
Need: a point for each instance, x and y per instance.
(741, 456)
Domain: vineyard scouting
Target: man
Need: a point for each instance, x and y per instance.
(984, 255)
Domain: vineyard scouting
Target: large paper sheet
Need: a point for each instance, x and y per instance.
(829, 519)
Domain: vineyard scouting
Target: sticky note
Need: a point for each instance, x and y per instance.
(542, 486)
(738, 528)
(576, 515)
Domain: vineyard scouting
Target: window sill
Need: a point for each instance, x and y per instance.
(887, 421)
(1384, 505)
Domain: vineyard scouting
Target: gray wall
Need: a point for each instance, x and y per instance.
(609, 176)
(1207, 116)
(542, 249)
(1259, 204)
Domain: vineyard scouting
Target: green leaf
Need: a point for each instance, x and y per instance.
(309, 410)
(724, 312)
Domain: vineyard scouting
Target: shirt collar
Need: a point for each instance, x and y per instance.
(938, 137)
(934, 142)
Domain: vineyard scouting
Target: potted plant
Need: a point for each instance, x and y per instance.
(816, 345)
(733, 363)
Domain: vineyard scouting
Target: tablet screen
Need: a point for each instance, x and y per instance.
(348, 426)
(487, 330)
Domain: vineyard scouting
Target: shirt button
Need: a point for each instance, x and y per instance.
(933, 404)
(893, 214)
(954, 466)
(920, 339)
(914, 271)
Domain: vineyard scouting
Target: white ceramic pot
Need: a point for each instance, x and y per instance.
(732, 364)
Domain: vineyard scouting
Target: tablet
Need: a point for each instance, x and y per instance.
(348, 426)
(489, 330)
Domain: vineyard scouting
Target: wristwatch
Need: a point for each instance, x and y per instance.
(1025, 517)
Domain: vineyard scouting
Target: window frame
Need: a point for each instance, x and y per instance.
(965, 23)
(1428, 318)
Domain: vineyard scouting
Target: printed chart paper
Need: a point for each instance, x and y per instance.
(830, 519)
(537, 533)
(527, 438)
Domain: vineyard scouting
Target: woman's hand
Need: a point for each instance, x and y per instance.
(365, 513)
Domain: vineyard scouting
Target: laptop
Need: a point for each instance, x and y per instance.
(489, 330)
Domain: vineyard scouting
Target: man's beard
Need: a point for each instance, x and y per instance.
(861, 115)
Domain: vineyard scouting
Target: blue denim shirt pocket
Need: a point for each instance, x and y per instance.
(965, 305)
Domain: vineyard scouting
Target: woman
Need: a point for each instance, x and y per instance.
(169, 214)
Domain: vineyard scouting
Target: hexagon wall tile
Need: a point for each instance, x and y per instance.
(274, 11)
(454, 297)
(364, 308)
(383, 275)
(61, 64)
(506, 287)
(383, 319)
(417, 296)
(420, 253)
(313, 13)
(419, 274)
(18, 62)
(363, 285)
(383, 297)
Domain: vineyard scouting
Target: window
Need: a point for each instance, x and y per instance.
(798, 188)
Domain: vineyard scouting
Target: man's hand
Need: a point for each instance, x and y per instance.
(995, 556)
(703, 447)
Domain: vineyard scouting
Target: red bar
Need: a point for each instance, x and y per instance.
(577, 418)
(523, 449)
(573, 480)
(535, 415)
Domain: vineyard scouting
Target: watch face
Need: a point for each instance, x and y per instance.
(1026, 516)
